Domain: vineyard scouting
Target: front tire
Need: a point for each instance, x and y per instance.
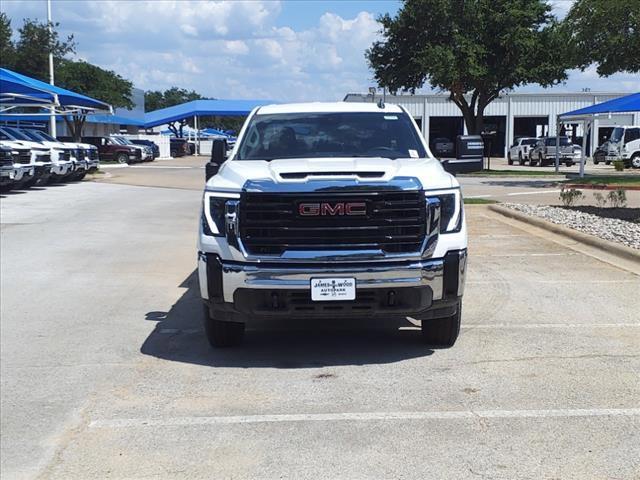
(520, 159)
(442, 332)
(122, 158)
(221, 334)
(635, 160)
(540, 161)
(509, 160)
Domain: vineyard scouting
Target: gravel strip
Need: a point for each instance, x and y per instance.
(626, 233)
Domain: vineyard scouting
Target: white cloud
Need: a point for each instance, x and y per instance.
(235, 49)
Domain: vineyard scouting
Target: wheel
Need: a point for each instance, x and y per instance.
(222, 334)
(122, 158)
(29, 183)
(596, 161)
(520, 159)
(442, 332)
(509, 161)
(607, 163)
(82, 175)
(635, 160)
(569, 164)
(540, 161)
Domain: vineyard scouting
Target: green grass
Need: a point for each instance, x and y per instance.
(479, 201)
(510, 173)
(606, 180)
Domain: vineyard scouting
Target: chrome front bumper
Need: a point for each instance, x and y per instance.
(235, 275)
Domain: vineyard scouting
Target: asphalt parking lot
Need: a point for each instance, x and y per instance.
(105, 372)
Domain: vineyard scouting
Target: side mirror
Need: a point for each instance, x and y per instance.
(218, 157)
(447, 166)
(219, 151)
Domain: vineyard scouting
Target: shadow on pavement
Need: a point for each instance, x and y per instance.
(302, 343)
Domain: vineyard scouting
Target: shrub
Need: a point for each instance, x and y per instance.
(618, 198)
(601, 200)
(568, 196)
(618, 165)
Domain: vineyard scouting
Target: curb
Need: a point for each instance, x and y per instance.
(622, 251)
(595, 186)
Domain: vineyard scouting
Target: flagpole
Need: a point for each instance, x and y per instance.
(52, 117)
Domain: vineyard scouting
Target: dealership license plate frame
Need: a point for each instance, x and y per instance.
(333, 289)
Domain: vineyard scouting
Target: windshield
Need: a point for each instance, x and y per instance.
(16, 135)
(564, 141)
(122, 140)
(44, 136)
(31, 135)
(529, 141)
(311, 135)
(616, 135)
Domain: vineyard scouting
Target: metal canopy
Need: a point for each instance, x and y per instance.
(17, 90)
(198, 108)
(586, 116)
(628, 103)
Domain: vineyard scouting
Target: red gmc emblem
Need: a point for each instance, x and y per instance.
(332, 209)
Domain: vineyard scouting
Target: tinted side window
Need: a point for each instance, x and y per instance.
(632, 134)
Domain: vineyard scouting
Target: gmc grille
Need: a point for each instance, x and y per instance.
(270, 223)
(24, 157)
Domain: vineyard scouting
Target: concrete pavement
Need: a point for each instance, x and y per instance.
(106, 373)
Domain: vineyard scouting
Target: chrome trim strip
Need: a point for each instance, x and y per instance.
(424, 273)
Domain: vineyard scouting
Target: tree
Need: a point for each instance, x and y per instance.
(34, 45)
(605, 32)
(155, 100)
(7, 51)
(95, 82)
(473, 49)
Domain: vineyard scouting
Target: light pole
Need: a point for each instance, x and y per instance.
(52, 117)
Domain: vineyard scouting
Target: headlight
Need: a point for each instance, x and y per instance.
(450, 209)
(214, 210)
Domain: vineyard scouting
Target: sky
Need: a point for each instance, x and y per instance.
(263, 49)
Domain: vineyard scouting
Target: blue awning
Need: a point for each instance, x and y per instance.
(223, 108)
(629, 103)
(17, 89)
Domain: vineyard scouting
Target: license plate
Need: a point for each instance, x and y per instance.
(327, 289)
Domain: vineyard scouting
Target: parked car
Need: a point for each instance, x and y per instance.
(110, 149)
(7, 170)
(154, 147)
(364, 223)
(63, 165)
(179, 147)
(625, 143)
(442, 147)
(544, 152)
(24, 170)
(520, 150)
(40, 156)
(146, 153)
(602, 152)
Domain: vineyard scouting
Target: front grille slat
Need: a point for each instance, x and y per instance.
(395, 222)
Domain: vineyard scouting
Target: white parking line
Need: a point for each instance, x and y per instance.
(361, 416)
(540, 192)
(551, 325)
(532, 193)
(164, 166)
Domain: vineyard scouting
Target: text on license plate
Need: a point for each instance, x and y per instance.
(326, 289)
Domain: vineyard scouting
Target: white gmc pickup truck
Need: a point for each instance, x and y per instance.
(330, 210)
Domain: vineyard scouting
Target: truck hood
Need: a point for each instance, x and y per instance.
(234, 174)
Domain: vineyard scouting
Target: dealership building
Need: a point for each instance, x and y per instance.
(510, 116)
